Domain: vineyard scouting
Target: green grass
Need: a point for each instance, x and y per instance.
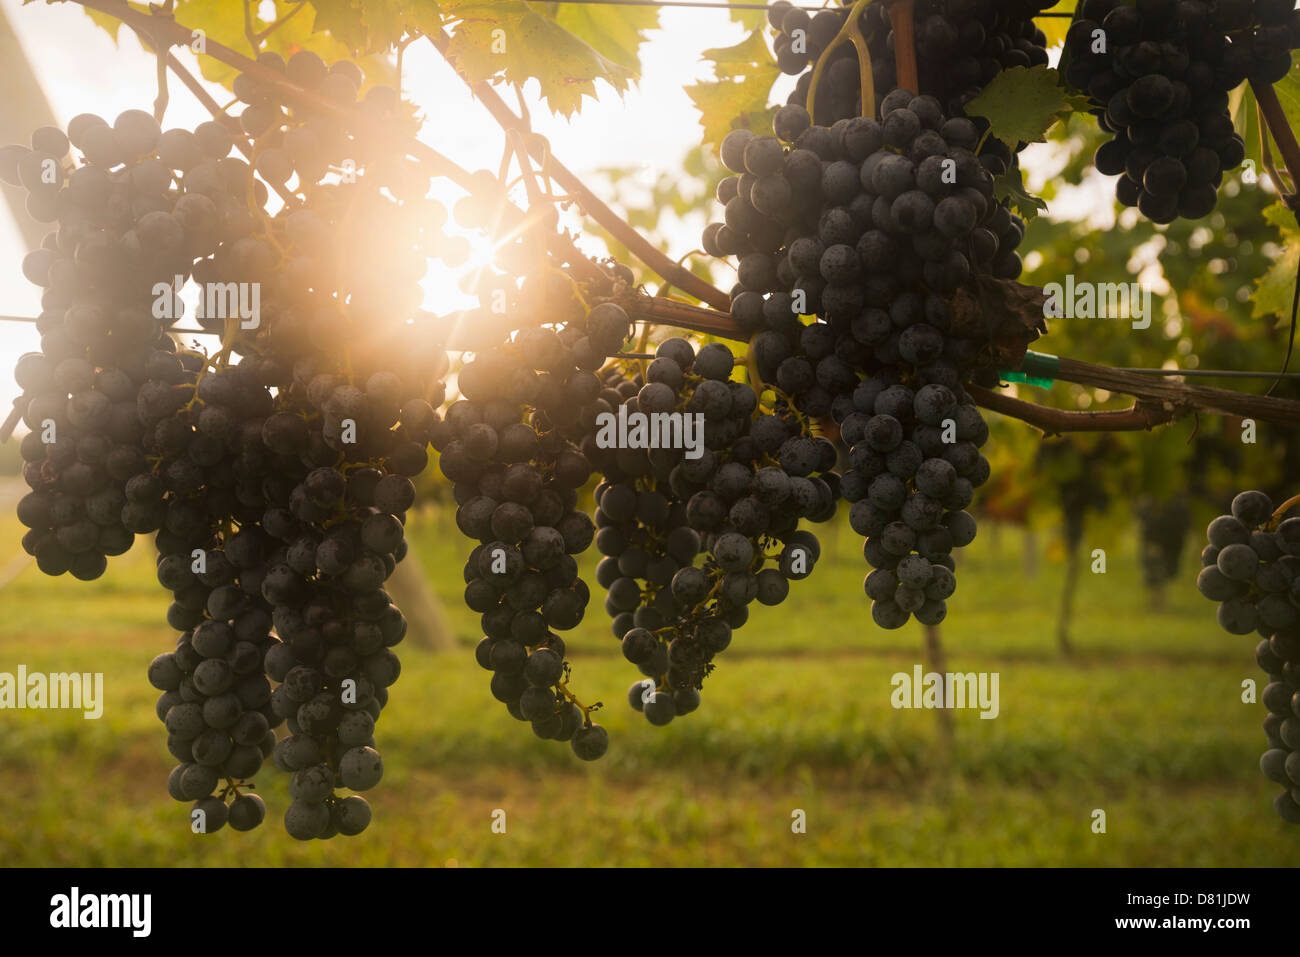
(1145, 723)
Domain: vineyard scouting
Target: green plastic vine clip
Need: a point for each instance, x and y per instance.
(1037, 368)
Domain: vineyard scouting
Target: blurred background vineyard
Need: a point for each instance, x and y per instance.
(1143, 721)
(1118, 692)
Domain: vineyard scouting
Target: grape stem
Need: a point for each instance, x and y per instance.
(1277, 125)
(845, 35)
(249, 34)
(162, 51)
(1281, 510)
(866, 79)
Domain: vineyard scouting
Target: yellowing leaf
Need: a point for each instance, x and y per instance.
(1276, 288)
(745, 75)
(722, 102)
(342, 19)
(750, 19)
(108, 23)
(747, 57)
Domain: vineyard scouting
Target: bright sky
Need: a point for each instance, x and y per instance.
(653, 126)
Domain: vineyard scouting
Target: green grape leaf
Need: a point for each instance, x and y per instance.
(617, 32)
(1275, 289)
(1245, 117)
(1023, 103)
(510, 40)
(1011, 185)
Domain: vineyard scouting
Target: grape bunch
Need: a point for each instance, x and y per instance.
(1162, 531)
(120, 231)
(1251, 567)
(274, 474)
(1158, 76)
(509, 447)
(853, 213)
(694, 535)
(882, 222)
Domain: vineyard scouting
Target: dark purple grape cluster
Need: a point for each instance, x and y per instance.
(881, 224)
(853, 213)
(275, 474)
(1158, 75)
(693, 536)
(1251, 567)
(510, 447)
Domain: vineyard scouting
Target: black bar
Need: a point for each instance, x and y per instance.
(256, 907)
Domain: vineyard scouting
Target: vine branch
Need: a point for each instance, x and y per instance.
(1182, 396)
(1160, 400)
(683, 315)
(901, 17)
(621, 230)
(1141, 416)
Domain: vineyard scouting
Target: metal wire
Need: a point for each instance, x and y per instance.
(1190, 373)
(1214, 373)
(30, 319)
(727, 6)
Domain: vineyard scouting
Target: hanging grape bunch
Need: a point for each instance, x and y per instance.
(692, 538)
(275, 474)
(1251, 567)
(871, 227)
(511, 448)
(1158, 75)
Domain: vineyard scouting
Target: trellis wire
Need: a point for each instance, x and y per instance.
(1193, 373)
(718, 5)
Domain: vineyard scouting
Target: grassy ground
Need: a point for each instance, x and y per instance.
(1145, 724)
